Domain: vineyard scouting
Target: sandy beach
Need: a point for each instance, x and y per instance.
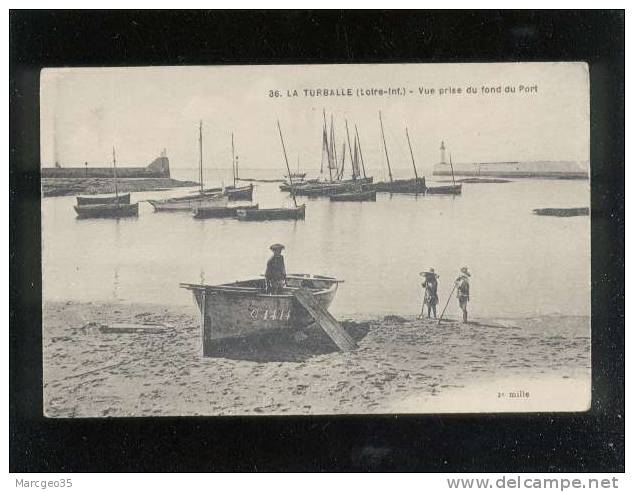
(402, 365)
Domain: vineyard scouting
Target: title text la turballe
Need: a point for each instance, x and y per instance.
(389, 91)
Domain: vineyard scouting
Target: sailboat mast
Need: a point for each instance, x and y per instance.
(354, 164)
(333, 144)
(327, 147)
(200, 155)
(411, 153)
(233, 161)
(452, 176)
(114, 173)
(343, 160)
(387, 157)
(288, 168)
(360, 152)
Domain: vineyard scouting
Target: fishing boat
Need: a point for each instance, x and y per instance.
(100, 200)
(356, 192)
(415, 185)
(243, 308)
(107, 207)
(205, 212)
(322, 189)
(210, 197)
(107, 210)
(355, 196)
(454, 189)
(263, 214)
(297, 176)
(562, 212)
(239, 193)
(444, 190)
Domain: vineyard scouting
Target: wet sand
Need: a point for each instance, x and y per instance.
(402, 365)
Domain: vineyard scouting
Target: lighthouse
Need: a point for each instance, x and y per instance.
(443, 159)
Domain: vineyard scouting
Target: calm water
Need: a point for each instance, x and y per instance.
(521, 264)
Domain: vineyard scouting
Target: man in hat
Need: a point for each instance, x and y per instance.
(462, 285)
(430, 299)
(275, 270)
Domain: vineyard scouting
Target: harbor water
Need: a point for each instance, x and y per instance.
(521, 264)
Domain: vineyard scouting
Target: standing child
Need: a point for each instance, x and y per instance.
(430, 299)
(462, 284)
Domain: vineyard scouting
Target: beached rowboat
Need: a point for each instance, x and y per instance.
(243, 308)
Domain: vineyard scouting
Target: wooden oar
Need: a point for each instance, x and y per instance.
(448, 299)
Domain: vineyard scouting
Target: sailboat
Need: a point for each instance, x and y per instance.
(107, 207)
(260, 214)
(203, 211)
(358, 193)
(416, 185)
(208, 197)
(237, 193)
(455, 189)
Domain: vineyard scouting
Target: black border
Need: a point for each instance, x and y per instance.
(592, 441)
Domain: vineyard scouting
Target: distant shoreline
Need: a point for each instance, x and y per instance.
(52, 187)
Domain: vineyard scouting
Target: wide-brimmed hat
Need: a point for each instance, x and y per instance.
(464, 270)
(277, 247)
(429, 272)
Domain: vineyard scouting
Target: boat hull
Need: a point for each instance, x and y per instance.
(400, 186)
(444, 190)
(107, 211)
(183, 204)
(364, 196)
(244, 308)
(242, 193)
(101, 200)
(562, 212)
(220, 212)
(263, 214)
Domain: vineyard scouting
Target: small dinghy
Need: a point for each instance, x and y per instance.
(242, 308)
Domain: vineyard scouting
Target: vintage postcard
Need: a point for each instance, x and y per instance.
(315, 239)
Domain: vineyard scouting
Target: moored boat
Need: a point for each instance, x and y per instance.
(220, 212)
(354, 196)
(96, 200)
(243, 308)
(414, 185)
(444, 190)
(262, 214)
(240, 193)
(562, 212)
(187, 203)
(106, 210)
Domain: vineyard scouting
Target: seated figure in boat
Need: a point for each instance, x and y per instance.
(275, 271)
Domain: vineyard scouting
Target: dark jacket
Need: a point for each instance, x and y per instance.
(431, 291)
(275, 269)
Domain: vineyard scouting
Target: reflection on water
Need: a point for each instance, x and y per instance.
(521, 264)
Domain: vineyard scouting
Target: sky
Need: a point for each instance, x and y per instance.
(142, 110)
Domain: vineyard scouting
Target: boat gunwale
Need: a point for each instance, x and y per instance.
(258, 292)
